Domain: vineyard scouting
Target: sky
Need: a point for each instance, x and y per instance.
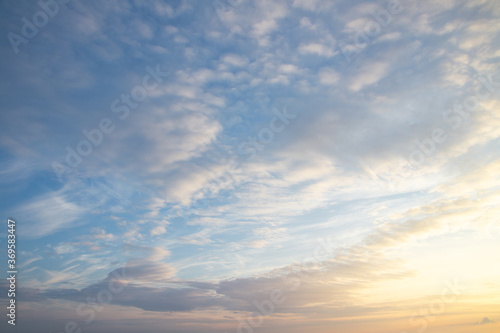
(251, 166)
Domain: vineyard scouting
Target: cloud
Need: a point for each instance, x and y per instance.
(235, 60)
(268, 236)
(300, 285)
(318, 49)
(332, 170)
(146, 252)
(47, 214)
(100, 234)
(273, 11)
(328, 76)
(369, 74)
(306, 4)
(198, 238)
(146, 271)
(485, 321)
(157, 231)
(30, 261)
(64, 249)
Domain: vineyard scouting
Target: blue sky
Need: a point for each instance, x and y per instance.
(210, 149)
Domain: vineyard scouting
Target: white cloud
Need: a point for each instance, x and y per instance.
(235, 60)
(48, 213)
(317, 48)
(101, 234)
(157, 231)
(163, 9)
(328, 76)
(288, 68)
(311, 5)
(371, 72)
(198, 238)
